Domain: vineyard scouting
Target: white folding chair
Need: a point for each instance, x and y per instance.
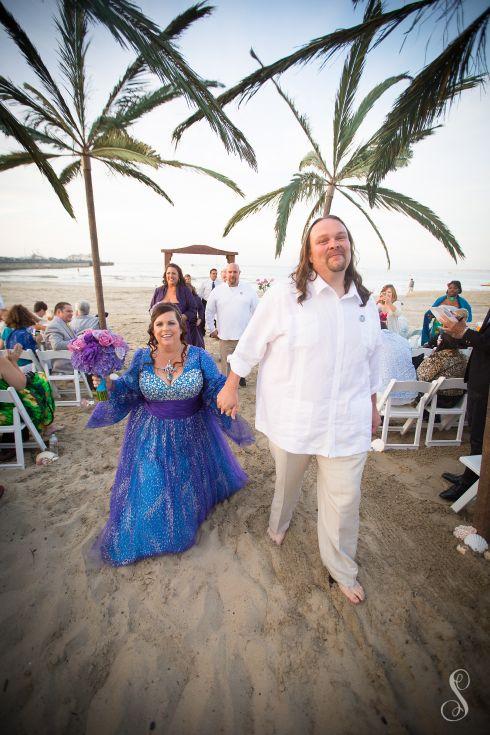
(78, 378)
(448, 415)
(32, 357)
(21, 420)
(408, 412)
(473, 461)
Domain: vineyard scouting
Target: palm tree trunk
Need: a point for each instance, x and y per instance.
(328, 199)
(94, 242)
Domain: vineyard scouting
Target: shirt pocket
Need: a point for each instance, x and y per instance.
(304, 331)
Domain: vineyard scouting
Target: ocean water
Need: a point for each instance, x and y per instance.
(148, 274)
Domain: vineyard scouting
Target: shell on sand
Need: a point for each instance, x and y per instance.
(476, 543)
(462, 532)
(44, 458)
(462, 549)
(377, 445)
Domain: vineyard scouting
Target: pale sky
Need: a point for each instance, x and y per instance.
(448, 173)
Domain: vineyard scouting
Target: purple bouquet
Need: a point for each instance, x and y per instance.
(98, 352)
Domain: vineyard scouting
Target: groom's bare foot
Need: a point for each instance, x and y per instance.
(278, 538)
(354, 594)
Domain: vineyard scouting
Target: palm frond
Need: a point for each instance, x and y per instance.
(302, 187)
(312, 159)
(50, 116)
(208, 172)
(319, 48)
(127, 170)
(396, 202)
(72, 27)
(373, 224)
(120, 145)
(430, 94)
(70, 172)
(349, 83)
(13, 127)
(21, 158)
(302, 119)
(29, 52)
(317, 209)
(354, 121)
(252, 208)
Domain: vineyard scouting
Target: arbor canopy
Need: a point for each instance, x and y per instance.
(198, 250)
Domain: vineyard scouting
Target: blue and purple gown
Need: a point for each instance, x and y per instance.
(175, 463)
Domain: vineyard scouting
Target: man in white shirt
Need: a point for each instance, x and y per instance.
(208, 285)
(232, 305)
(316, 340)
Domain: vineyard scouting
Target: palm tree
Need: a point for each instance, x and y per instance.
(317, 182)
(130, 27)
(428, 96)
(61, 125)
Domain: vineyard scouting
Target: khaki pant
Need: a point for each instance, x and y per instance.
(226, 347)
(338, 494)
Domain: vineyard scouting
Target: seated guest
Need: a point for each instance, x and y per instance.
(58, 333)
(452, 297)
(33, 389)
(395, 357)
(19, 330)
(83, 319)
(390, 310)
(445, 361)
(40, 309)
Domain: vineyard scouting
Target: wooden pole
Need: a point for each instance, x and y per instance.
(482, 505)
(94, 242)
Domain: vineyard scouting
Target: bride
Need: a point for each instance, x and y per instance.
(175, 463)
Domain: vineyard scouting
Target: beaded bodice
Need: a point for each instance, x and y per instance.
(187, 385)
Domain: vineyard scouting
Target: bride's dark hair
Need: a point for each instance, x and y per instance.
(157, 311)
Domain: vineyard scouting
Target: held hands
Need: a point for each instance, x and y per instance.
(227, 400)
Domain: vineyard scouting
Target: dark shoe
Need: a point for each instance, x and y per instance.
(452, 478)
(243, 383)
(454, 492)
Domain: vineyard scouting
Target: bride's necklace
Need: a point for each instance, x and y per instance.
(170, 368)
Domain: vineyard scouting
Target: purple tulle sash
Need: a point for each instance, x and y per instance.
(174, 409)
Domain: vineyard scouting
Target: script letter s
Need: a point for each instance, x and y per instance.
(456, 710)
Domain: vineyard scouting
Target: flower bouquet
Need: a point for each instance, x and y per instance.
(98, 352)
(263, 284)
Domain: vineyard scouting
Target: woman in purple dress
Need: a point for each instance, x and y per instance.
(175, 463)
(174, 291)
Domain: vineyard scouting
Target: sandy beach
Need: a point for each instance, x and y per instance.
(235, 636)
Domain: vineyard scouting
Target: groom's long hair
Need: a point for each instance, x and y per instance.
(304, 271)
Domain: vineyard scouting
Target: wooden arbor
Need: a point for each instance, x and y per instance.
(197, 250)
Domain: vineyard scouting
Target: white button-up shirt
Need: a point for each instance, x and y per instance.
(205, 287)
(319, 366)
(232, 307)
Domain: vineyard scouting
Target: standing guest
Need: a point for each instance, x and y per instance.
(58, 333)
(390, 310)
(411, 285)
(223, 275)
(445, 361)
(208, 285)
(477, 378)
(232, 305)
(196, 332)
(395, 358)
(83, 319)
(174, 291)
(316, 340)
(175, 463)
(19, 330)
(452, 297)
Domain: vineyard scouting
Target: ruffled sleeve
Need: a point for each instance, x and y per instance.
(236, 429)
(124, 396)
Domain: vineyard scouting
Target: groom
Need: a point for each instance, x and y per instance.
(316, 340)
